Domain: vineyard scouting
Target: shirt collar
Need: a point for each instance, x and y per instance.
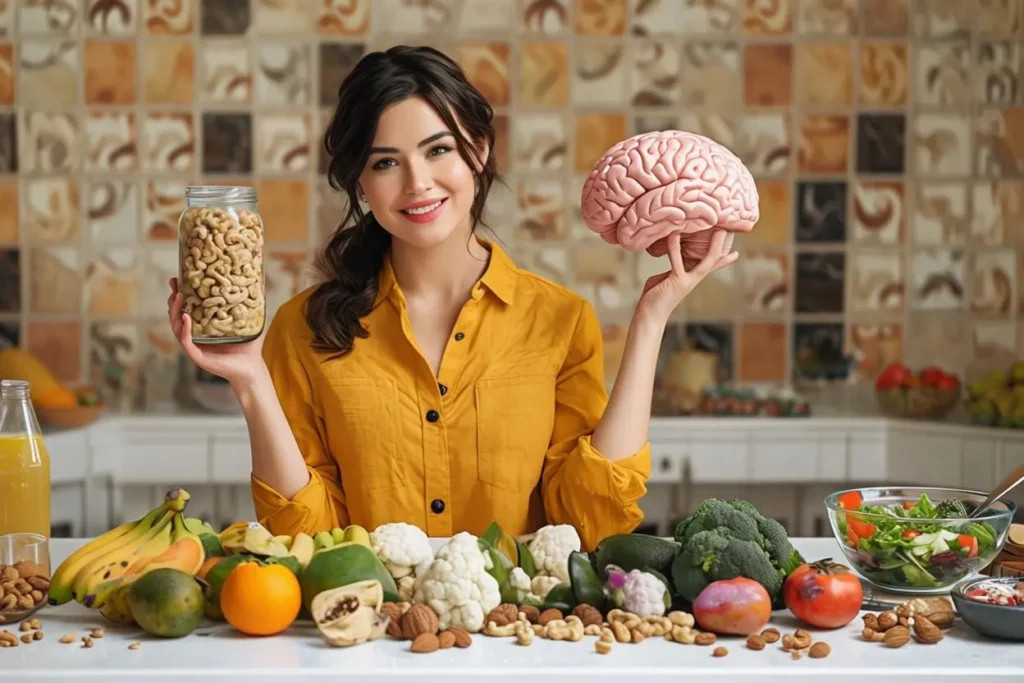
(499, 277)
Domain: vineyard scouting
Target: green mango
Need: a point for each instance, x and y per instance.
(561, 597)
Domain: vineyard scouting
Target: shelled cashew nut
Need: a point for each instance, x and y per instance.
(222, 272)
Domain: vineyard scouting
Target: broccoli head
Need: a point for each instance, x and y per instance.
(717, 514)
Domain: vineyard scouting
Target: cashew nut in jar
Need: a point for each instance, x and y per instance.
(222, 278)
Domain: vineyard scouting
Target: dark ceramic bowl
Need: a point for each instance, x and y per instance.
(996, 621)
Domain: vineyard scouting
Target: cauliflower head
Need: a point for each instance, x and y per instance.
(403, 548)
(520, 581)
(551, 547)
(540, 586)
(638, 592)
(457, 586)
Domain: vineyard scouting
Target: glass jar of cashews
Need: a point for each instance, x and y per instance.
(220, 262)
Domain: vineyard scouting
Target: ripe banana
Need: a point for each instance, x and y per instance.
(115, 560)
(99, 592)
(116, 608)
(61, 583)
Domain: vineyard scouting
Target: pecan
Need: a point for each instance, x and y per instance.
(705, 638)
(755, 642)
(871, 621)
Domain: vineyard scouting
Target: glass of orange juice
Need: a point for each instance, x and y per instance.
(24, 464)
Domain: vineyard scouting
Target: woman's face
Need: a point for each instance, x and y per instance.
(416, 183)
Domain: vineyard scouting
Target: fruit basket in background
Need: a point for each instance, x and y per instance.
(996, 399)
(929, 394)
(66, 408)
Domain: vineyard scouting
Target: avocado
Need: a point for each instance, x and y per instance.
(636, 551)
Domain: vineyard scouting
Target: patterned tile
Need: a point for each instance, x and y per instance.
(938, 277)
(994, 290)
(600, 74)
(944, 339)
(10, 281)
(594, 134)
(716, 297)
(486, 66)
(994, 346)
(541, 210)
(877, 280)
(541, 142)
(942, 74)
(170, 18)
(331, 207)
(942, 145)
(287, 275)
(49, 73)
(997, 79)
(880, 143)
(55, 280)
(762, 352)
(339, 17)
(501, 143)
(283, 74)
(165, 200)
(655, 74)
(827, 17)
(120, 18)
(604, 275)
(878, 345)
(820, 281)
(224, 17)
(228, 143)
(162, 358)
(766, 281)
(112, 211)
(817, 347)
(8, 143)
(112, 143)
(7, 78)
(1000, 142)
(8, 212)
(765, 145)
(282, 144)
(775, 226)
(49, 17)
(773, 18)
(115, 363)
(767, 75)
(110, 72)
(58, 345)
(878, 213)
(999, 18)
(398, 17)
(50, 212)
(112, 283)
(884, 75)
(824, 143)
(274, 17)
(47, 142)
(284, 208)
(167, 73)
(226, 73)
(940, 213)
(825, 73)
(336, 62)
(998, 216)
(169, 141)
(711, 75)
(544, 17)
(941, 19)
(544, 74)
(600, 17)
(160, 264)
(821, 212)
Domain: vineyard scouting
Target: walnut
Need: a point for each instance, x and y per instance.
(418, 620)
(588, 614)
(503, 615)
(871, 621)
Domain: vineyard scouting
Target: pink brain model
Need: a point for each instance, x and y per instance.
(650, 185)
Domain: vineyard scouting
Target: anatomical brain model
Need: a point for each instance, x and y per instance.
(650, 185)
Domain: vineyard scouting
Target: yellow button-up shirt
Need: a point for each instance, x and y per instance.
(503, 432)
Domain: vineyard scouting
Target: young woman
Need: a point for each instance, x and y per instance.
(427, 379)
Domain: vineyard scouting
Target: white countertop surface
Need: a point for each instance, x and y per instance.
(224, 655)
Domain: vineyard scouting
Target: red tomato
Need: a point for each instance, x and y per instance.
(852, 537)
(968, 543)
(850, 500)
(947, 383)
(823, 594)
(932, 375)
(894, 375)
(910, 533)
(861, 528)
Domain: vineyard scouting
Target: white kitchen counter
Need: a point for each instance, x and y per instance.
(223, 655)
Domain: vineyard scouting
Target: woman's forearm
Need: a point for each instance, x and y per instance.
(623, 429)
(276, 458)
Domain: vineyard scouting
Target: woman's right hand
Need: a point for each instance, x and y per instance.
(236, 363)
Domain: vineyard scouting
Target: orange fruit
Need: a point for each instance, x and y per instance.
(260, 600)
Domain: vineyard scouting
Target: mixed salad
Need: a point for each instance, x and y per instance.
(904, 545)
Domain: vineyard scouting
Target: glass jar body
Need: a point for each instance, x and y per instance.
(24, 464)
(220, 262)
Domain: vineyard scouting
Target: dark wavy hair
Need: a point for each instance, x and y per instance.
(351, 262)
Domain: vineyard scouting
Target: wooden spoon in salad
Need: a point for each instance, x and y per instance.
(1005, 486)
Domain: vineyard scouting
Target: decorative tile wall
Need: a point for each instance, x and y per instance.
(886, 136)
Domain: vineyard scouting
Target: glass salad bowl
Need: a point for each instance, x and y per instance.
(917, 540)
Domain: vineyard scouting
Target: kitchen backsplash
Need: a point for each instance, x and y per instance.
(886, 136)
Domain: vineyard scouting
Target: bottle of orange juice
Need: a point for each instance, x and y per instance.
(24, 464)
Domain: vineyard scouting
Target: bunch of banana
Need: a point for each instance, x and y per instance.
(126, 550)
(353, 533)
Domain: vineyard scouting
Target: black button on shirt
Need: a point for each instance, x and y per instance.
(459, 336)
(432, 416)
(437, 506)
(443, 389)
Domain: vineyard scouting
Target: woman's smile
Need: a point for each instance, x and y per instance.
(425, 211)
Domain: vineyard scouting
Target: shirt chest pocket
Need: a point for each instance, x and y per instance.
(515, 417)
(360, 415)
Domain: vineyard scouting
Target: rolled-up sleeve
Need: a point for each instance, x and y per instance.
(320, 505)
(580, 486)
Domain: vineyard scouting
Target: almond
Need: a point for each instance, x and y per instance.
(446, 640)
(897, 636)
(462, 637)
(425, 643)
(720, 652)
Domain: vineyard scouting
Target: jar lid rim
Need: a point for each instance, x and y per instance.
(240, 192)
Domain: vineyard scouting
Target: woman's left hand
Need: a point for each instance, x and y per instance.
(664, 292)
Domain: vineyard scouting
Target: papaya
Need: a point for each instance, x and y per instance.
(343, 565)
(167, 603)
(17, 363)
